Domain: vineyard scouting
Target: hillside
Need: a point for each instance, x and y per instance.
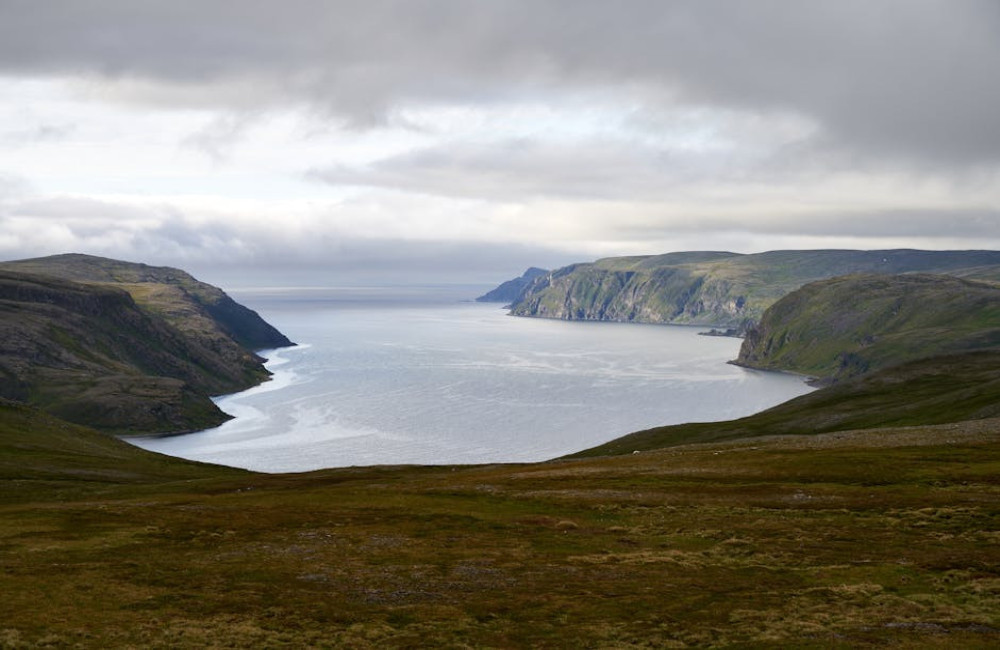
(866, 540)
(39, 453)
(91, 353)
(196, 308)
(717, 288)
(949, 389)
(843, 327)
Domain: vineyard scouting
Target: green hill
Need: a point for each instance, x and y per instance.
(931, 391)
(839, 328)
(198, 309)
(718, 288)
(124, 347)
(39, 452)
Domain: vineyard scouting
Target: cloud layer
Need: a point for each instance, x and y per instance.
(223, 129)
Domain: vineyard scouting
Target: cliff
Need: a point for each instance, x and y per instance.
(124, 347)
(844, 327)
(511, 290)
(718, 289)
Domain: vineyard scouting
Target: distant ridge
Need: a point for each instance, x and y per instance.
(511, 290)
(124, 347)
(719, 289)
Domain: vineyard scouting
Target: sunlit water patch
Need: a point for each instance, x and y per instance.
(390, 382)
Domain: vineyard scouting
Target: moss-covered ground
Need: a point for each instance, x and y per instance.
(843, 540)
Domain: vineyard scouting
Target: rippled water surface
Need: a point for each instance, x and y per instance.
(390, 379)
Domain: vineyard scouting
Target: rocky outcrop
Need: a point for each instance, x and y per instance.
(664, 295)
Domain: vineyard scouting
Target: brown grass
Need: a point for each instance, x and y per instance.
(835, 541)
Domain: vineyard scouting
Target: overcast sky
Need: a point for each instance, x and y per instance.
(387, 140)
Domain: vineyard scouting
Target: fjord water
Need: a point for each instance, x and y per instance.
(389, 379)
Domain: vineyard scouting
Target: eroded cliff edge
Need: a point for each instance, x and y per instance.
(124, 347)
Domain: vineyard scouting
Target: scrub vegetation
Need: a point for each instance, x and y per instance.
(855, 539)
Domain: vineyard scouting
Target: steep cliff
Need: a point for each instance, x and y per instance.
(847, 326)
(197, 308)
(716, 288)
(91, 353)
(511, 290)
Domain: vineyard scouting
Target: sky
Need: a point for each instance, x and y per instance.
(336, 142)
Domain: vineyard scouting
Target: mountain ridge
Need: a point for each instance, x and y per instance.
(718, 289)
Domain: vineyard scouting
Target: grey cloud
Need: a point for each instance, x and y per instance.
(526, 169)
(37, 134)
(80, 212)
(393, 260)
(254, 252)
(12, 185)
(896, 78)
(972, 225)
(217, 138)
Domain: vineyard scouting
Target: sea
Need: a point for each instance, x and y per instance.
(389, 375)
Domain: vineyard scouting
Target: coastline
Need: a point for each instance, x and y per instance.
(274, 381)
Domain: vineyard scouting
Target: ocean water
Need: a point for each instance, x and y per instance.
(391, 378)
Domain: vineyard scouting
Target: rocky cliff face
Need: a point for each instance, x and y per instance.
(91, 353)
(715, 288)
(666, 295)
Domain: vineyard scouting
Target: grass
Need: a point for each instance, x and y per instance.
(940, 390)
(850, 325)
(843, 540)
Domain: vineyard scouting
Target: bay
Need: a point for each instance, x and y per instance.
(410, 378)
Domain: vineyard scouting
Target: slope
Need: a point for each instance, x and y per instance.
(847, 326)
(859, 541)
(41, 454)
(931, 391)
(195, 308)
(91, 353)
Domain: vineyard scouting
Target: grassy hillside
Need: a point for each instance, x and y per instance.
(847, 326)
(937, 390)
(717, 288)
(195, 308)
(124, 347)
(43, 455)
(847, 540)
(878, 528)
